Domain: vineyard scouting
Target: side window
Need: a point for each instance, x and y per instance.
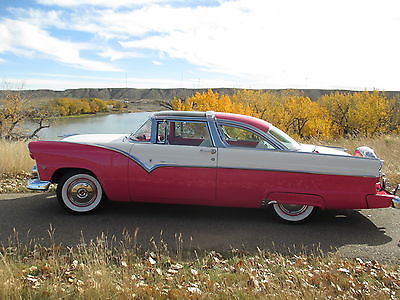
(239, 137)
(189, 133)
(143, 134)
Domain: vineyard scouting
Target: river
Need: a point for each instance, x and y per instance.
(114, 123)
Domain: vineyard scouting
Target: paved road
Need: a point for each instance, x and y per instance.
(370, 234)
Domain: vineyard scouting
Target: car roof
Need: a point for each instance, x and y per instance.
(255, 122)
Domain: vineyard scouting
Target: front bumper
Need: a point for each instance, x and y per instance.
(38, 185)
(35, 183)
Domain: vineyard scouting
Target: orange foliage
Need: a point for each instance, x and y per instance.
(211, 101)
(331, 116)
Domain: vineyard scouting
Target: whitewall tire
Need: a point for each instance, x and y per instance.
(79, 192)
(293, 212)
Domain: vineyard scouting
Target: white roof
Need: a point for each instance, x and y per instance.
(180, 113)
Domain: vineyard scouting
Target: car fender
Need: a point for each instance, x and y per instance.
(108, 166)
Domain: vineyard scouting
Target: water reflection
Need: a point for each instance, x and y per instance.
(115, 123)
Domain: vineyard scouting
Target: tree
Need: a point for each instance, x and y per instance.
(361, 113)
(42, 118)
(306, 119)
(210, 101)
(289, 110)
(14, 111)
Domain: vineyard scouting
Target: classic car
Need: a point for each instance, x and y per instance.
(209, 158)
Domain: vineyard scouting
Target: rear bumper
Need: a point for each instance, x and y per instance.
(396, 202)
(38, 185)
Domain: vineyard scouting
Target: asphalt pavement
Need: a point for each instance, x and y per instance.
(369, 234)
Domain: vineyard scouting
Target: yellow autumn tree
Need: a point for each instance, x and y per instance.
(338, 114)
(71, 106)
(361, 113)
(210, 100)
(289, 110)
(259, 102)
(306, 119)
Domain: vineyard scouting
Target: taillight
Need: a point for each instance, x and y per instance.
(365, 152)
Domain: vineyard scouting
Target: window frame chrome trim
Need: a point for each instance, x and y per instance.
(183, 119)
(279, 146)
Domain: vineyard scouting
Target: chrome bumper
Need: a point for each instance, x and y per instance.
(396, 202)
(35, 183)
(38, 185)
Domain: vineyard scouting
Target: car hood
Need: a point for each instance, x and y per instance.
(95, 138)
(323, 149)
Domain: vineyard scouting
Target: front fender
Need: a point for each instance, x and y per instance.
(110, 167)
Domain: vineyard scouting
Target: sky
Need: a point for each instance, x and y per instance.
(331, 44)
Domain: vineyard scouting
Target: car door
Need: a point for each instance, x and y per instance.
(179, 166)
(241, 177)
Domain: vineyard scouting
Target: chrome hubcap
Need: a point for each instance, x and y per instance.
(82, 192)
(292, 209)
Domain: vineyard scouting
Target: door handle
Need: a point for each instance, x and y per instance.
(209, 150)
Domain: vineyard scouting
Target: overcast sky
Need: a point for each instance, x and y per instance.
(338, 44)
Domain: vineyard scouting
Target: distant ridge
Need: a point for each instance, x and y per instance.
(157, 94)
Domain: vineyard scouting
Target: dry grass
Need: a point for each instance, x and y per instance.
(15, 165)
(99, 270)
(14, 157)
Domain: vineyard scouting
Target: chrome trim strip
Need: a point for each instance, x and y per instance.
(218, 142)
(38, 185)
(153, 136)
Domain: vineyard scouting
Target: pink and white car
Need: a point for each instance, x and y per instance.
(208, 158)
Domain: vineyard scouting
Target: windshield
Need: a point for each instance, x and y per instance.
(143, 134)
(282, 137)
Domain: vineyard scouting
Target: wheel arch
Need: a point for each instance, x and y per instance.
(295, 198)
(59, 173)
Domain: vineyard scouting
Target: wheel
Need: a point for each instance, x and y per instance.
(79, 192)
(293, 212)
